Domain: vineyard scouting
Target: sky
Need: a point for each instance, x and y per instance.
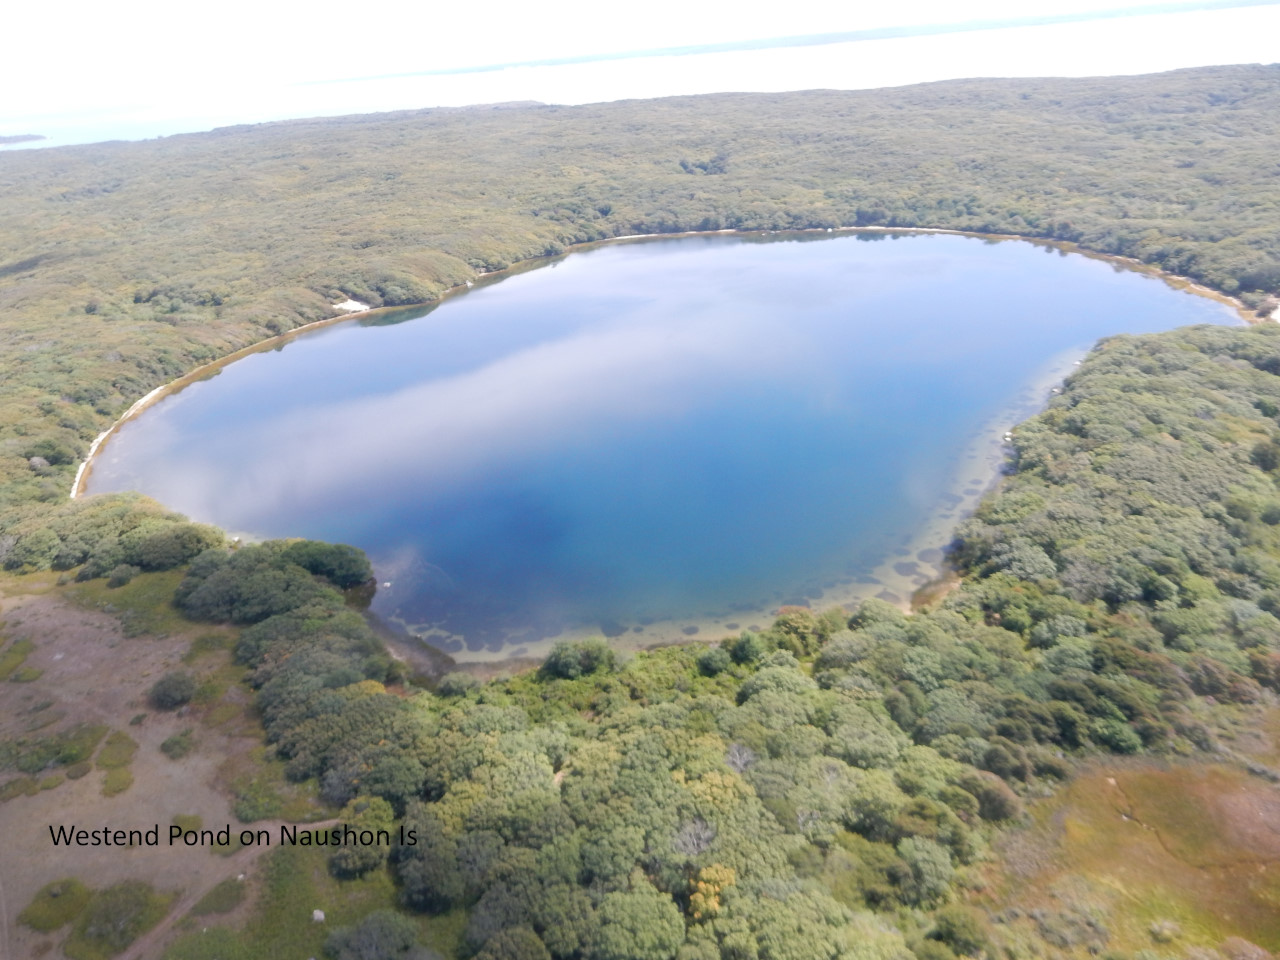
(84, 70)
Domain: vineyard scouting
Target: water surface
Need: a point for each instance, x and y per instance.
(683, 430)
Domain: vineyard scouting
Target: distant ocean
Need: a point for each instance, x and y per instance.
(1143, 38)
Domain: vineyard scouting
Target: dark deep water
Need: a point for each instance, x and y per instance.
(652, 430)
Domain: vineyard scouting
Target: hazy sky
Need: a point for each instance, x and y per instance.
(87, 70)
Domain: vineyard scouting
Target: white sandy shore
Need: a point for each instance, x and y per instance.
(133, 411)
(988, 451)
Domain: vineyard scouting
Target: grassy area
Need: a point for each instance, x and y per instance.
(443, 933)
(144, 605)
(1163, 853)
(55, 905)
(116, 781)
(13, 656)
(223, 898)
(114, 918)
(208, 643)
(263, 792)
(67, 747)
(19, 787)
(296, 881)
(118, 751)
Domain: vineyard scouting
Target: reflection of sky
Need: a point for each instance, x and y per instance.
(638, 430)
(443, 432)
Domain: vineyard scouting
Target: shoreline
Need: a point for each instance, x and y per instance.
(903, 570)
(909, 567)
(85, 469)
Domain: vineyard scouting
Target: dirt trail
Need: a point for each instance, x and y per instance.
(93, 674)
(147, 947)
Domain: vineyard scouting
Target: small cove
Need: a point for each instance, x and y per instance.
(656, 439)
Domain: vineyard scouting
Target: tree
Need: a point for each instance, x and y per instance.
(514, 943)
(570, 659)
(342, 565)
(640, 923)
(929, 871)
(429, 871)
(363, 814)
(382, 935)
(714, 661)
(169, 545)
(961, 930)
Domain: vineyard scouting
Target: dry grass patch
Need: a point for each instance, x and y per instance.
(116, 781)
(1149, 849)
(55, 905)
(117, 752)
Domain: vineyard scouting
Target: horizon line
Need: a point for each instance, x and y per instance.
(822, 39)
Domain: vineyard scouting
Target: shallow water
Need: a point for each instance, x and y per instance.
(665, 430)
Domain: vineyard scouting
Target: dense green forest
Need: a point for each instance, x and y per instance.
(123, 265)
(821, 789)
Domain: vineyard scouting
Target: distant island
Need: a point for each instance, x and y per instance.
(21, 138)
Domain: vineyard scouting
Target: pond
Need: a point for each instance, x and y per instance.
(654, 439)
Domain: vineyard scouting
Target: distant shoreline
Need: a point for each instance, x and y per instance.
(199, 373)
(21, 138)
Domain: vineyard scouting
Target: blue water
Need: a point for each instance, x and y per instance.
(637, 432)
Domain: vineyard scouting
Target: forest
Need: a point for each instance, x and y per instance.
(825, 787)
(830, 787)
(821, 788)
(125, 265)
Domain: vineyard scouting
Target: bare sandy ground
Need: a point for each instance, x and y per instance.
(93, 674)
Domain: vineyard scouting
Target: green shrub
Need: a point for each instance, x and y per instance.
(173, 690)
(714, 661)
(457, 684)
(961, 930)
(121, 575)
(342, 565)
(383, 934)
(576, 658)
(178, 746)
(116, 781)
(23, 786)
(13, 657)
(747, 648)
(55, 905)
(170, 545)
